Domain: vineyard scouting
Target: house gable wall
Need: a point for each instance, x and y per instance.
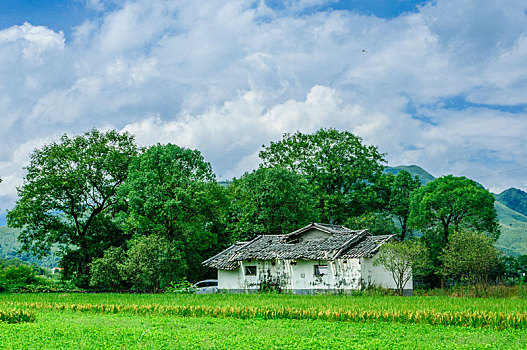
(313, 235)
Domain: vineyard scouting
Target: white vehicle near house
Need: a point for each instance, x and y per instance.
(206, 287)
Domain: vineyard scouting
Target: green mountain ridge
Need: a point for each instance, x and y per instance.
(423, 175)
(514, 199)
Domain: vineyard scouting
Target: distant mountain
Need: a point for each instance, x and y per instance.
(514, 199)
(424, 176)
(9, 246)
(513, 226)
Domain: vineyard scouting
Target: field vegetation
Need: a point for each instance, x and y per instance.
(262, 321)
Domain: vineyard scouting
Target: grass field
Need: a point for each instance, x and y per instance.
(120, 321)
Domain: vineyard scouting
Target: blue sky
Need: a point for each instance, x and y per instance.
(55, 14)
(440, 84)
(64, 15)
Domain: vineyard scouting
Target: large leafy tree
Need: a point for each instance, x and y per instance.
(69, 196)
(172, 192)
(401, 188)
(449, 203)
(269, 201)
(342, 172)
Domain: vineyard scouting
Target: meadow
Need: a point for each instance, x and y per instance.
(262, 321)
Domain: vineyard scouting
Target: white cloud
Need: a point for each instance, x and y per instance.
(228, 76)
(32, 41)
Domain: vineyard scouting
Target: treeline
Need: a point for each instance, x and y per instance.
(126, 217)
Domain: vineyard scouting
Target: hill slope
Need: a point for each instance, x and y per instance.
(513, 225)
(424, 176)
(513, 198)
(9, 246)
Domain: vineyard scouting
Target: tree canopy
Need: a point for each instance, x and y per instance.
(69, 190)
(402, 186)
(269, 201)
(171, 192)
(340, 169)
(449, 203)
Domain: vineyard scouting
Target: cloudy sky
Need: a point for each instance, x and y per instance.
(441, 84)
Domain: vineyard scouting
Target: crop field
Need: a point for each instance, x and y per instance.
(263, 321)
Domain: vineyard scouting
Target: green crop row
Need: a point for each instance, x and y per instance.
(478, 319)
(319, 302)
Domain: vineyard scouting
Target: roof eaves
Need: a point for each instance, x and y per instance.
(209, 260)
(233, 258)
(379, 244)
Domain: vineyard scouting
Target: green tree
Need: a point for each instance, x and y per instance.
(449, 203)
(269, 201)
(401, 188)
(470, 256)
(445, 205)
(68, 189)
(376, 223)
(342, 172)
(171, 192)
(152, 262)
(403, 260)
(107, 272)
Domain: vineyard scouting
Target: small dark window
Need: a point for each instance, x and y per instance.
(250, 270)
(321, 270)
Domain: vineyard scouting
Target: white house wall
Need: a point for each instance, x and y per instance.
(229, 280)
(298, 276)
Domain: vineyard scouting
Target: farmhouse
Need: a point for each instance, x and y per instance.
(315, 258)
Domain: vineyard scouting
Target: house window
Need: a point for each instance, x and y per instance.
(321, 270)
(250, 270)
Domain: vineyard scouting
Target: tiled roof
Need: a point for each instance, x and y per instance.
(341, 243)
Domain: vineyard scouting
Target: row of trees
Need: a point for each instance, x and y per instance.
(118, 213)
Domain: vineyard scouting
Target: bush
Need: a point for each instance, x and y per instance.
(21, 277)
(181, 286)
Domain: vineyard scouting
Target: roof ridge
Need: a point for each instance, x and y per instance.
(352, 241)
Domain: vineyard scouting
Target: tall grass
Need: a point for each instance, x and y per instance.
(16, 316)
(468, 318)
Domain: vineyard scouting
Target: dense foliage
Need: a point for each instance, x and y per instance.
(402, 186)
(342, 172)
(470, 256)
(269, 201)
(68, 198)
(16, 275)
(172, 192)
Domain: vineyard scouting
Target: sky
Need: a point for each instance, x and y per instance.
(440, 84)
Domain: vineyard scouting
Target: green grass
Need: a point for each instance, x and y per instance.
(71, 330)
(142, 321)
